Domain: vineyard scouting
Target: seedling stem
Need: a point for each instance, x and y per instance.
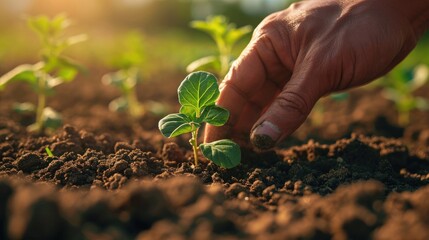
(41, 102)
(134, 107)
(197, 95)
(194, 144)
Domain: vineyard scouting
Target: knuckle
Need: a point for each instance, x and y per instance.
(270, 24)
(276, 34)
(294, 101)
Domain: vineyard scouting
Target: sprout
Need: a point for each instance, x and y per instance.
(128, 61)
(53, 70)
(197, 95)
(225, 35)
(399, 87)
(49, 152)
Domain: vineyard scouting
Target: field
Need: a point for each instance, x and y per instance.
(353, 170)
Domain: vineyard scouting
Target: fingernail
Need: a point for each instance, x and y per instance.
(265, 135)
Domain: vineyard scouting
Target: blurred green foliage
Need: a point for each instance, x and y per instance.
(225, 35)
(128, 59)
(53, 69)
(400, 85)
(402, 82)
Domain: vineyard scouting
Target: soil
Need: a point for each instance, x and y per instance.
(356, 176)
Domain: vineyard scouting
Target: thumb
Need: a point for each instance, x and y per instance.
(287, 112)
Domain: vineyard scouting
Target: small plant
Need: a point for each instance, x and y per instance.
(197, 95)
(53, 70)
(129, 62)
(49, 152)
(225, 35)
(399, 86)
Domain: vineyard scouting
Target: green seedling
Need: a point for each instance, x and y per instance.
(197, 96)
(225, 35)
(49, 152)
(399, 86)
(53, 70)
(129, 62)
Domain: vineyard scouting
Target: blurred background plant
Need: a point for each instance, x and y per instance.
(164, 23)
(169, 43)
(129, 60)
(400, 86)
(225, 35)
(53, 70)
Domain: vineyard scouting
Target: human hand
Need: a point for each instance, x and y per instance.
(307, 51)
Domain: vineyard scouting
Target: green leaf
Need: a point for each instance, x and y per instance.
(421, 76)
(65, 61)
(25, 72)
(47, 27)
(59, 23)
(216, 26)
(116, 79)
(67, 73)
(225, 35)
(124, 80)
(392, 94)
(75, 39)
(198, 90)
(214, 115)
(209, 63)
(224, 153)
(51, 119)
(188, 111)
(339, 96)
(176, 124)
(236, 34)
(119, 104)
(63, 67)
(24, 108)
(219, 28)
(49, 152)
(39, 24)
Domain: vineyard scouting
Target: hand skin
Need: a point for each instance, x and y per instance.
(309, 50)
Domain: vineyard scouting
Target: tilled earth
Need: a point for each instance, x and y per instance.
(99, 187)
(109, 179)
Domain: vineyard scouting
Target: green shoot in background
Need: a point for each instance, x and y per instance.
(197, 96)
(129, 60)
(225, 35)
(53, 69)
(49, 152)
(399, 86)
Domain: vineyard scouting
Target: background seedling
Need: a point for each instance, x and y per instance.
(53, 70)
(49, 152)
(197, 96)
(129, 60)
(399, 86)
(225, 35)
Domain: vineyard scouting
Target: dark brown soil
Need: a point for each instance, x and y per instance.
(111, 179)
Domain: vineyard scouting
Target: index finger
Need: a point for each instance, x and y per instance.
(254, 80)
